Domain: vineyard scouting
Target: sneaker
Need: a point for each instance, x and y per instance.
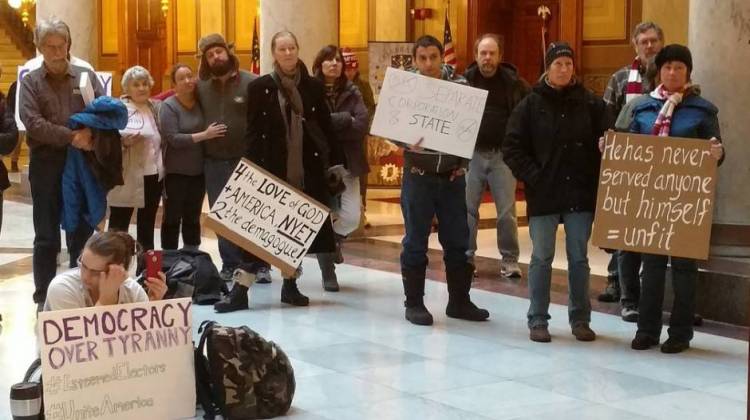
(540, 334)
(672, 346)
(510, 269)
(263, 275)
(582, 332)
(643, 342)
(611, 292)
(629, 314)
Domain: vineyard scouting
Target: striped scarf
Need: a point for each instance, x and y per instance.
(634, 88)
(664, 119)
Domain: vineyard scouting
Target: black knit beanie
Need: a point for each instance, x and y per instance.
(557, 50)
(674, 52)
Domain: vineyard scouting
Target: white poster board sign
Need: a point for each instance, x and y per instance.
(131, 361)
(105, 78)
(446, 114)
(265, 216)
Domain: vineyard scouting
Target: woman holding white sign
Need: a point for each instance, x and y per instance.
(350, 121)
(290, 135)
(101, 277)
(142, 165)
(551, 144)
(674, 109)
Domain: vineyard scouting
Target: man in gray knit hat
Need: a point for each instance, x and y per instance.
(222, 92)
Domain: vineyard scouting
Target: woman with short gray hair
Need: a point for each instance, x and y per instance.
(141, 159)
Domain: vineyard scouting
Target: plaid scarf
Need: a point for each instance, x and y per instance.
(664, 119)
(634, 88)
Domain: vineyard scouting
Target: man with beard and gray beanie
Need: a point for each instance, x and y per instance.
(222, 92)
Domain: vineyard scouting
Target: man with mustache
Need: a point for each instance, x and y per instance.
(506, 89)
(49, 96)
(222, 92)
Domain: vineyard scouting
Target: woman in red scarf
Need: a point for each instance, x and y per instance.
(675, 109)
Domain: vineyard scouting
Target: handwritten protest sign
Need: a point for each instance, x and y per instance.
(445, 114)
(266, 217)
(132, 361)
(656, 195)
(105, 78)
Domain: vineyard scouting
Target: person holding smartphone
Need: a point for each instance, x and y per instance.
(101, 277)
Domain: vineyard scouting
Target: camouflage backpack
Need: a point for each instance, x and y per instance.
(240, 375)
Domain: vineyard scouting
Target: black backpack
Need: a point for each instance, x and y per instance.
(240, 375)
(190, 273)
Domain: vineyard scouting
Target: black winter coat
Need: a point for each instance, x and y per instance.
(266, 140)
(551, 144)
(8, 133)
(350, 121)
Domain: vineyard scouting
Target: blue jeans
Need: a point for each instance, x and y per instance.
(489, 168)
(684, 277)
(543, 231)
(425, 196)
(217, 174)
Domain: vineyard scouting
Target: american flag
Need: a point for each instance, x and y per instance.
(255, 54)
(450, 54)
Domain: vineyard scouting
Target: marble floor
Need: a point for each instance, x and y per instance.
(355, 357)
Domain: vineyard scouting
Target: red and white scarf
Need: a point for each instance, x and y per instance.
(664, 119)
(634, 88)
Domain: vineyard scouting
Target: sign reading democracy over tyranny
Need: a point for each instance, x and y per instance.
(656, 195)
(267, 217)
(446, 114)
(131, 361)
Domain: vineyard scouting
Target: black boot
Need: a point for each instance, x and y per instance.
(290, 294)
(611, 293)
(236, 300)
(339, 257)
(459, 304)
(328, 271)
(416, 312)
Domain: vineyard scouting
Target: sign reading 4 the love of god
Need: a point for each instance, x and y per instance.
(130, 361)
(446, 115)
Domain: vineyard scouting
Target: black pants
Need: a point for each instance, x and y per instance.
(46, 200)
(183, 201)
(119, 217)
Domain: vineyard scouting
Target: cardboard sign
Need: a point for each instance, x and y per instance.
(446, 114)
(105, 78)
(265, 216)
(656, 195)
(132, 361)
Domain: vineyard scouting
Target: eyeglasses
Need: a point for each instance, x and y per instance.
(83, 267)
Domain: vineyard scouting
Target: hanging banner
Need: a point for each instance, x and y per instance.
(384, 55)
(656, 195)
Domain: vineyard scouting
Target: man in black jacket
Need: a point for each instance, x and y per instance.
(506, 90)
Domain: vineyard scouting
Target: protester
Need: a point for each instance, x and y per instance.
(142, 165)
(551, 145)
(47, 100)
(625, 85)
(350, 121)
(431, 186)
(674, 109)
(8, 141)
(102, 277)
(505, 91)
(279, 138)
(181, 121)
(222, 94)
(351, 70)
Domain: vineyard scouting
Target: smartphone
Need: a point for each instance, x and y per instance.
(153, 263)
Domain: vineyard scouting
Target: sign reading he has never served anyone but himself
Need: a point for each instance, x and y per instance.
(446, 114)
(656, 195)
(130, 361)
(265, 216)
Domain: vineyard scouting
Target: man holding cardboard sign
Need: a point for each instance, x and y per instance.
(434, 185)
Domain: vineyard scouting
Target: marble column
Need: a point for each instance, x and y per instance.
(719, 39)
(81, 17)
(315, 26)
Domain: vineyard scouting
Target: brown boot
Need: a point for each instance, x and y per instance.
(540, 334)
(582, 332)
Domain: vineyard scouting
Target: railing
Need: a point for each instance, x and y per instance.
(22, 36)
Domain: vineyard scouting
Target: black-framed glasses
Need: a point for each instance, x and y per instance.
(83, 266)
